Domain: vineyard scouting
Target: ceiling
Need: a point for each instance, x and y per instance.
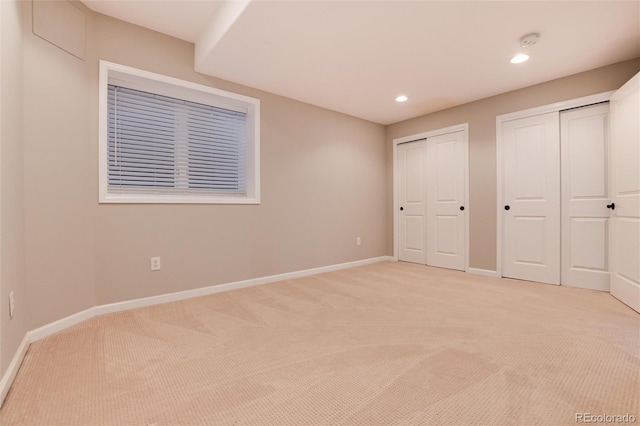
(355, 57)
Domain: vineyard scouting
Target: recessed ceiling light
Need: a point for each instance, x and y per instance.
(519, 58)
(401, 98)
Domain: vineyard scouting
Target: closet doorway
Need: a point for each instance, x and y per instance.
(556, 193)
(568, 193)
(431, 198)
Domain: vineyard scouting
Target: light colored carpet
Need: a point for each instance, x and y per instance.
(389, 343)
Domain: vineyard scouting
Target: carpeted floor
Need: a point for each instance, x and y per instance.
(388, 343)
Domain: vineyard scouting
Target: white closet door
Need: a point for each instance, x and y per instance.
(625, 176)
(413, 201)
(445, 205)
(531, 221)
(585, 196)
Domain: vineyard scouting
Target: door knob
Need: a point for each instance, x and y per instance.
(507, 207)
(461, 208)
(401, 208)
(611, 206)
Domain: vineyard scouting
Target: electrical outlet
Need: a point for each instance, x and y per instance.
(358, 241)
(12, 305)
(155, 263)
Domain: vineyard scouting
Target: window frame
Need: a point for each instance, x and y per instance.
(121, 75)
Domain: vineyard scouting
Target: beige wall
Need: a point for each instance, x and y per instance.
(11, 183)
(323, 183)
(323, 178)
(59, 195)
(481, 116)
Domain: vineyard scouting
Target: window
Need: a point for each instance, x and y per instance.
(164, 140)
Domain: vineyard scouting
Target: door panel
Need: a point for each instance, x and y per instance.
(587, 251)
(529, 240)
(627, 265)
(625, 222)
(446, 229)
(415, 232)
(446, 194)
(529, 144)
(531, 225)
(585, 196)
(412, 199)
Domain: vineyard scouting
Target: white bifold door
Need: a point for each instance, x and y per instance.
(431, 197)
(586, 204)
(557, 208)
(445, 201)
(531, 192)
(412, 197)
(625, 153)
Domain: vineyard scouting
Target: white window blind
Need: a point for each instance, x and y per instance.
(163, 145)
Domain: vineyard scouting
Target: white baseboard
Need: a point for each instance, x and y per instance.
(67, 322)
(484, 272)
(61, 324)
(14, 366)
(205, 291)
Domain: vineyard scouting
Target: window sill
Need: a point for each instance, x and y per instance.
(173, 199)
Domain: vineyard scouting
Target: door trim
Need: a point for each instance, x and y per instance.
(544, 109)
(463, 127)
